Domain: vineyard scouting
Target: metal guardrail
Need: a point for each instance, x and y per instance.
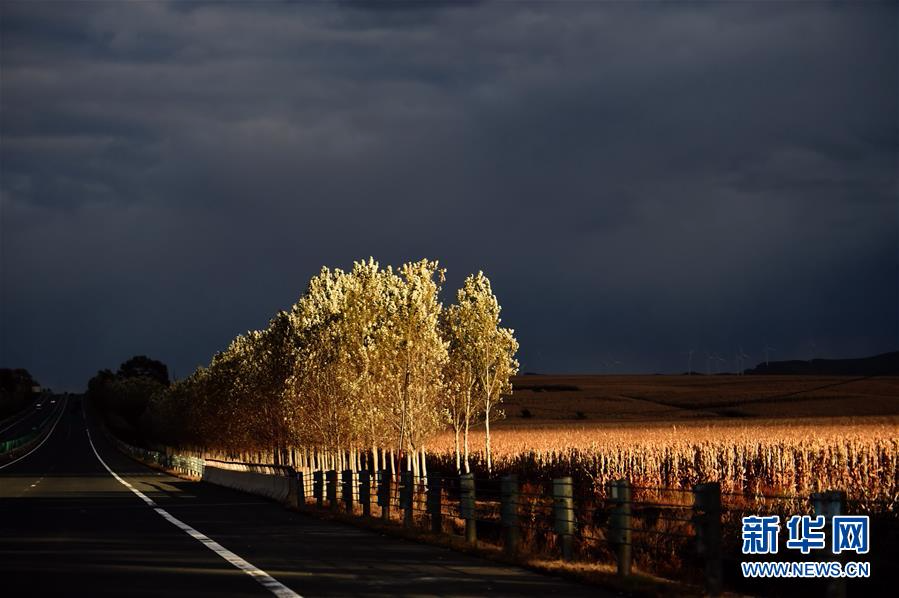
(620, 524)
(10, 445)
(194, 466)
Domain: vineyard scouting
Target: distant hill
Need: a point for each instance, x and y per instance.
(886, 364)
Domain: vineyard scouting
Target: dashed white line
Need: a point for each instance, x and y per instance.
(266, 580)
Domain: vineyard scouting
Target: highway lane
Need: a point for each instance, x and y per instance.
(30, 418)
(67, 526)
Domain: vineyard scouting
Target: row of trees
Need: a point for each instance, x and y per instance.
(366, 366)
(124, 396)
(17, 388)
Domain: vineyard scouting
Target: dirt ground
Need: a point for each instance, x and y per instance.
(553, 399)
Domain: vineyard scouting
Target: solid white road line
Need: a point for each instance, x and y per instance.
(267, 581)
(59, 417)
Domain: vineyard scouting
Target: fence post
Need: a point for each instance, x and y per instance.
(707, 508)
(347, 488)
(434, 510)
(384, 492)
(292, 490)
(828, 504)
(620, 524)
(406, 497)
(331, 483)
(365, 492)
(466, 506)
(318, 488)
(563, 515)
(301, 489)
(509, 513)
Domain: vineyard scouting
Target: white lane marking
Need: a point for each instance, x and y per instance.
(59, 417)
(267, 581)
(18, 421)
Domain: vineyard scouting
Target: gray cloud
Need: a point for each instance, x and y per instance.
(636, 179)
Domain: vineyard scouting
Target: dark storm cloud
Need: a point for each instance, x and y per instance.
(637, 179)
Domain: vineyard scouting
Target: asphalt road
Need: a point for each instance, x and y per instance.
(31, 418)
(69, 527)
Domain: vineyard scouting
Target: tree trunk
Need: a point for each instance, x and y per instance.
(487, 436)
(465, 443)
(456, 438)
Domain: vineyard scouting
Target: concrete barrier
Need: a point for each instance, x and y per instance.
(263, 480)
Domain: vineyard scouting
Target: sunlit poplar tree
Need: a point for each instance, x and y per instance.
(484, 347)
(320, 400)
(417, 354)
(459, 380)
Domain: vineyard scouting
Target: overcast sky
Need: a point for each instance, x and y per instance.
(637, 179)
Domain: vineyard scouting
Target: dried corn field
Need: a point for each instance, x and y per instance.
(773, 457)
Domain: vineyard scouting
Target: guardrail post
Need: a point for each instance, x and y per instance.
(301, 489)
(384, 492)
(828, 504)
(331, 488)
(563, 515)
(406, 497)
(620, 524)
(292, 489)
(347, 488)
(509, 513)
(365, 492)
(435, 488)
(467, 507)
(707, 508)
(318, 488)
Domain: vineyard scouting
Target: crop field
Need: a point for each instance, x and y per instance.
(783, 436)
(537, 399)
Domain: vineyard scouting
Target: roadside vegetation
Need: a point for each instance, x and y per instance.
(17, 390)
(363, 371)
(751, 459)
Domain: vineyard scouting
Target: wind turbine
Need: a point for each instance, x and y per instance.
(690, 362)
(708, 361)
(814, 349)
(768, 349)
(743, 358)
(721, 360)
